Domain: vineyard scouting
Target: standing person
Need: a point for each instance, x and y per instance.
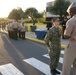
(23, 31)
(9, 29)
(70, 34)
(15, 26)
(49, 25)
(19, 31)
(63, 26)
(53, 42)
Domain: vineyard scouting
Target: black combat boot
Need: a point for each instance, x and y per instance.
(56, 71)
(53, 72)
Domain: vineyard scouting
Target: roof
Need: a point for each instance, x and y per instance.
(51, 15)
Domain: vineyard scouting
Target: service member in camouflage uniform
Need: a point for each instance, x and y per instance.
(53, 42)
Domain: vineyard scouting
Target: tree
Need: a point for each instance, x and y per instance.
(16, 14)
(21, 12)
(60, 7)
(33, 14)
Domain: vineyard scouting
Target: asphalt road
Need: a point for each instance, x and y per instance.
(24, 57)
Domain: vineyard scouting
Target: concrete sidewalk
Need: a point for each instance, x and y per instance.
(32, 36)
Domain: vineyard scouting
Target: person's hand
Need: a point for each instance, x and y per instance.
(71, 39)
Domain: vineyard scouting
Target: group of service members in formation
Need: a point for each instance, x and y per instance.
(16, 30)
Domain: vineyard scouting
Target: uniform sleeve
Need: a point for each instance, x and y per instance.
(48, 38)
(69, 28)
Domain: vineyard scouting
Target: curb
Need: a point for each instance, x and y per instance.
(42, 42)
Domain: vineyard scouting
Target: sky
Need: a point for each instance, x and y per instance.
(6, 6)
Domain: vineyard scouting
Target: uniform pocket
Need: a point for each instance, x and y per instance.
(68, 45)
(71, 45)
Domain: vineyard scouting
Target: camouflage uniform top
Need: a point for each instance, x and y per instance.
(53, 38)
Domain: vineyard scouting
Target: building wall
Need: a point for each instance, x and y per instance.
(49, 4)
(48, 13)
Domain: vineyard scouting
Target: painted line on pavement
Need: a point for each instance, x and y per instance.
(41, 66)
(60, 59)
(9, 69)
(62, 52)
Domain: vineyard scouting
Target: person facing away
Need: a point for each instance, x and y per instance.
(63, 26)
(15, 26)
(53, 42)
(49, 25)
(23, 31)
(10, 30)
(70, 34)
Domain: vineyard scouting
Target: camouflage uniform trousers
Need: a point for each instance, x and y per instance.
(54, 57)
(11, 33)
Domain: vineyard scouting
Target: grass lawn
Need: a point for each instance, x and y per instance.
(37, 24)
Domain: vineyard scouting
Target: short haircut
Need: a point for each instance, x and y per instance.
(73, 10)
